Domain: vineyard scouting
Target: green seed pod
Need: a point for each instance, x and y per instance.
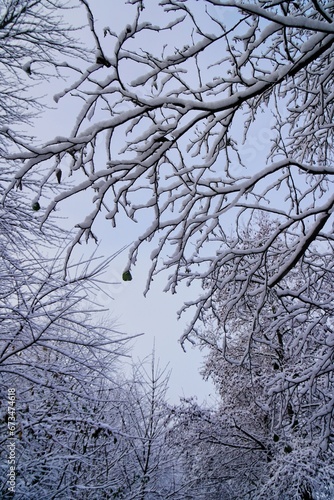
(127, 276)
(36, 206)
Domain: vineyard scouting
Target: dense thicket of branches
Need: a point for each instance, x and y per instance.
(34, 40)
(274, 376)
(211, 124)
(179, 123)
(58, 357)
(53, 346)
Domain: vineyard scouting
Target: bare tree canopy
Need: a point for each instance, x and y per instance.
(34, 40)
(273, 366)
(210, 124)
(178, 124)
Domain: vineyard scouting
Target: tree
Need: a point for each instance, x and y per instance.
(147, 469)
(43, 312)
(63, 444)
(178, 124)
(57, 356)
(212, 116)
(274, 377)
(58, 359)
(198, 435)
(33, 37)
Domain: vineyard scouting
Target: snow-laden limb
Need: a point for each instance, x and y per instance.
(202, 115)
(281, 14)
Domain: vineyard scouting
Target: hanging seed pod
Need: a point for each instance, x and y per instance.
(36, 206)
(126, 276)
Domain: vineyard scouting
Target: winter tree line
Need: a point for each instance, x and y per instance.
(211, 124)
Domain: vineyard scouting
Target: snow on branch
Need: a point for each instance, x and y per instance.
(205, 118)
